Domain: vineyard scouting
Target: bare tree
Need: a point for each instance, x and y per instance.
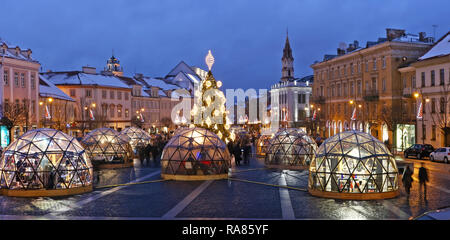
(15, 114)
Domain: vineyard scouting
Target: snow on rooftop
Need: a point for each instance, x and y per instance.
(441, 48)
(159, 83)
(80, 78)
(48, 89)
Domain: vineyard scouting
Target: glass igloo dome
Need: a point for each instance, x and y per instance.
(138, 137)
(263, 144)
(195, 154)
(353, 165)
(45, 162)
(108, 149)
(290, 149)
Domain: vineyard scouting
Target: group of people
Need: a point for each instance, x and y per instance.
(408, 180)
(150, 151)
(241, 149)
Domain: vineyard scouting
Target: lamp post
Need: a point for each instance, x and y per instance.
(351, 102)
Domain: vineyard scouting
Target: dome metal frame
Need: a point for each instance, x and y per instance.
(108, 149)
(45, 162)
(353, 165)
(138, 137)
(262, 145)
(290, 149)
(195, 154)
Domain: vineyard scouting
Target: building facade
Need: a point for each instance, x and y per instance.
(56, 109)
(101, 100)
(19, 90)
(290, 97)
(432, 88)
(361, 87)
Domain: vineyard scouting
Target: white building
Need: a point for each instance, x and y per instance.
(432, 72)
(290, 97)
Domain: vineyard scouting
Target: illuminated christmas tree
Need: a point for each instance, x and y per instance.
(209, 107)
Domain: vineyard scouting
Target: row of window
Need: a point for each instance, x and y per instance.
(112, 113)
(19, 80)
(443, 103)
(112, 94)
(343, 89)
(19, 107)
(301, 98)
(350, 70)
(432, 81)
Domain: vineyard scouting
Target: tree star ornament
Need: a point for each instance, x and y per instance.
(209, 59)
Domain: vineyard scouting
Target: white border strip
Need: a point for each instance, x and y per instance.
(172, 213)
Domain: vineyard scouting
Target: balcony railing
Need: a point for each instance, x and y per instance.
(371, 95)
(318, 99)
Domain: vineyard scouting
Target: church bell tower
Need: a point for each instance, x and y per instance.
(287, 70)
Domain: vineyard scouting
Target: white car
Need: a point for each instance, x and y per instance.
(440, 154)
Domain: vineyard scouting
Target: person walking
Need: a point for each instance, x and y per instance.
(423, 179)
(247, 149)
(148, 150)
(237, 154)
(407, 180)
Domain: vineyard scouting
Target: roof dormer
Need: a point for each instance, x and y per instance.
(17, 50)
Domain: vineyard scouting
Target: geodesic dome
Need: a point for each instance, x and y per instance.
(353, 165)
(293, 130)
(107, 146)
(138, 137)
(45, 159)
(262, 144)
(290, 149)
(195, 154)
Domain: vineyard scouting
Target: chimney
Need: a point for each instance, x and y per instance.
(422, 36)
(341, 48)
(138, 75)
(89, 70)
(356, 44)
(394, 33)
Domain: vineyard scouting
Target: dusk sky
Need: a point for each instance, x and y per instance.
(246, 37)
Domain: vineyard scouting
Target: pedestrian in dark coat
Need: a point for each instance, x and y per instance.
(407, 180)
(247, 149)
(423, 179)
(148, 151)
(237, 154)
(141, 154)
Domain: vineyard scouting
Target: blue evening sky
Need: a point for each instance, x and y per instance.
(246, 37)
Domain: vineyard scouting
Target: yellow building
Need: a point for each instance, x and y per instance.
(365, 81)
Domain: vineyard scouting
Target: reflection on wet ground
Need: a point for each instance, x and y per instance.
(255, 197)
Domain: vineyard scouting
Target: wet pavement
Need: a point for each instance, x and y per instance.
(225, 199)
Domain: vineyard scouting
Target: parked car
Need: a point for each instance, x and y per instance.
(419, 151)
(440, 154)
